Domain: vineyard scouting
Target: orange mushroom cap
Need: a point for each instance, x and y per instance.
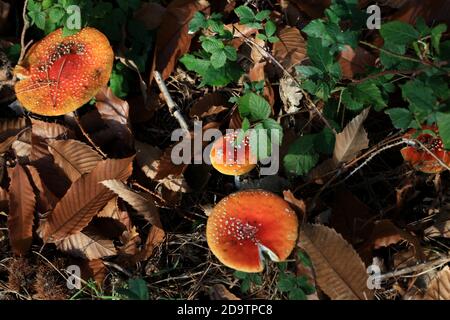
(245, 224)
(420, 159)
(60, 74)
(232, 158)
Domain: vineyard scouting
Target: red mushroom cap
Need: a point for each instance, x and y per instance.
(232, 158)
(420, 159)
(244, 224)
(60, 74)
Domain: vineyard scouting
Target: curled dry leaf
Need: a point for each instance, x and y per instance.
(9, 131)
(45, 199)
(115, 113)
(439, 287)
(73, 157)
(173, 39)
(155, 237)
(291, 49)
(340, 272)
(130, 240)
(290, 94)
(355, 61)
(114, 211)
(143, 204)
(149, 160)
(87, 246)
(209, 105)
(93, 269)
(21, 210)
(84, 199)
(298, 205)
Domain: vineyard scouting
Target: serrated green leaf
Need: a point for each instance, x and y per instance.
(254, 107)
(436, 35)
(270, 28)
(245, 124)
(285, 284)
(47, 4)
(443, 122)
(262, 15)
(398, 33)
(420, 97)
(244, 13)
(297, 294)
(211, 44)
(324, 141)
(274, 129)
(273, 39)
(401, 118)
(319, 55)
(56, 14)
(34, 5)
(198, 22)
(261, 36)
(38, 18)
(301, 157)
(218, 59)
(231, 53)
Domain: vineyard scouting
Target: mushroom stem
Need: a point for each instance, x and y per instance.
(173, 108)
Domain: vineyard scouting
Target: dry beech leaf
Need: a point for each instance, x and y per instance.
(143, 204)
(150, 14)
(93, 269)
(355, 61)
(219, 292)
(45, 199)
(291, 49)
(50, 130)
(439, 287)
(290, 94)
(298, 204)
(240, 33)
(86, 246)
(441, 226)
(9, 131)
(114, 211)
(75, 158)
(84, 199)
(149, 160)
(21, 210)
(209, 105)
(173, 39)
(155, 237)
(340, 272)
(257, 50)
(351, 140)
(130, 241)
(115, 113)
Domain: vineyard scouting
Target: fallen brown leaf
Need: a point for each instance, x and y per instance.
(9, 131)
(209, 105)
(439, 287)
(87, 246)
(219, 292)
(21, 210)
(355, 61)
(291, 49)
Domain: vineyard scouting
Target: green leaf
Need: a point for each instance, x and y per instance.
(254, 107)
(399, 33)
(211, 44)
(273, 39)
(262, 15)
(443, 122)
(245, 285)
(231, 53)
(198, 22)
(137, 290)
(363, 94)
(319, 55)
(261, 36)
(218, 59)
(324, 141)
(401, 118)
(244, 13)
(194, 64)
(47, 4)
(56, 14)
(34, 5)
(38, 18)
(420, 97)
(301, 157)
(275, 129)
(436, 35)
(285, 284)
(270, 28)
(245, 124)
(241, 275)
(297, 294)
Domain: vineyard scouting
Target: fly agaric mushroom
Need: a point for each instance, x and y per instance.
(247, 223)
(232, 157)
(419, 158)
(60, 74)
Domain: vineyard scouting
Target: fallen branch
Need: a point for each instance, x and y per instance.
(173, 108)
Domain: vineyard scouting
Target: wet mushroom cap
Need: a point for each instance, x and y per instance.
(244, 223)
(60, 74)
(420, 159)
(232, 157)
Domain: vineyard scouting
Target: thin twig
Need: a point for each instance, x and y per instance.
(26, 25)
(173, 108)
(269, 56)
(86, 135)
(402, 272)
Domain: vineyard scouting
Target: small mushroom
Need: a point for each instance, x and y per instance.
(247, 223)
(232, 157)
(60, 74)
(419, 158)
